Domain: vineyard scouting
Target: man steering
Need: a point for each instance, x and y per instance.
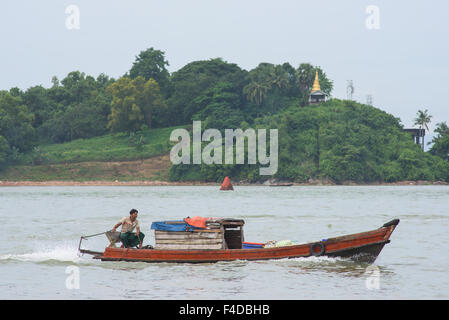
(127, 236)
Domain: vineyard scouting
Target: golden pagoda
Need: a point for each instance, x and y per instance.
(316, 95)
(316, 84)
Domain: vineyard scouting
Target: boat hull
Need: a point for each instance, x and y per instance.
(361, 247)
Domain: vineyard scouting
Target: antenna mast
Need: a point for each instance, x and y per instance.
(349, 89)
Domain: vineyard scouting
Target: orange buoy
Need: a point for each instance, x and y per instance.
(226, 185)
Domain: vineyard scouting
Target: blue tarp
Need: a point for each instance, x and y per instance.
(164, 226)
(173, 225)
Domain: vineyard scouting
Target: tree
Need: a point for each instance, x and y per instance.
(440, 146)
(88, 118)
(76, 107)
(125, 115)
(151, 64)
(15, 122)
(279, 79)
(271, 87)
(422, 120)
(220, 107)
(195, 78)
(39, 103)
(153, 102)
(4, 152)
(260, 83)
(256, 92)
(262, 80)
(134, 103)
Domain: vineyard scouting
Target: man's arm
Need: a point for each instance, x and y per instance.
(137, 230)
(116, 226)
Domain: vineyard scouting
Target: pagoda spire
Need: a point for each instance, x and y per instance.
(316, 95)
(316, 83)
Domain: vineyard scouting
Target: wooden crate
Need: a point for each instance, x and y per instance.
(198, 239)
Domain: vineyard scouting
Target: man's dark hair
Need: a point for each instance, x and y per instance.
(133, 211)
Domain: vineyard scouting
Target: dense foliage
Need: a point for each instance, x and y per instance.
(440, 145)
(77, 107)
(195, 79)
(339, 140)
(16, 131)
(134, 104)
(151, 64)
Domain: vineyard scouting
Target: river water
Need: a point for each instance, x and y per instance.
(41, 228)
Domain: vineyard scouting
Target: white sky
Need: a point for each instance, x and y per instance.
(404, 65)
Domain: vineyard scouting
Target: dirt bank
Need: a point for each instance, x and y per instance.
(196, 183)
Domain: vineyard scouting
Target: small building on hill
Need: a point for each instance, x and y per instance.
(316, 95)
(417, 135)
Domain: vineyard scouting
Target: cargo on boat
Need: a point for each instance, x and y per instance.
(197, 239)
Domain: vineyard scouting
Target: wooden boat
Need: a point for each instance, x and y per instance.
(225, 244)
(280, 184)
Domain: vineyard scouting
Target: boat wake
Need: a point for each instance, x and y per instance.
(322, 260)
(60, 253)
(339, 265)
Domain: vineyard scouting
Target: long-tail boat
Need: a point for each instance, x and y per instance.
(222, 240)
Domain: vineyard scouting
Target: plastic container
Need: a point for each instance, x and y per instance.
(284, 243)
(252, 245)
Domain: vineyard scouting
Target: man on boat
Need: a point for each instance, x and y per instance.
(128, 238)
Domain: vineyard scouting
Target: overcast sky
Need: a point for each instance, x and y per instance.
(402, 61)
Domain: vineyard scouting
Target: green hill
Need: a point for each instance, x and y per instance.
(110, 147)
(338, 140)
(123, 156)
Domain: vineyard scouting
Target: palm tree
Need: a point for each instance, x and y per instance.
(279, 78)
(305, 74)
(256, 92)
(278, 81)
(422, 120)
